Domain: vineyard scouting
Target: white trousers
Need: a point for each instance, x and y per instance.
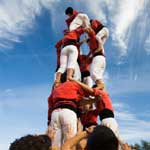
(81, 20)
(102, 35)
(88, 81)
(112, 124)
(98, 67)
(68, 59)
(63, 121)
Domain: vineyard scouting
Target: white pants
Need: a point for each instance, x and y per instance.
(88, 81)
(98, 67)
(61, 119)
(102, 35)
(68, 59)
(81, 20)
(112, 124)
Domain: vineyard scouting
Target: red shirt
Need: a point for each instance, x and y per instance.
(84, 63)
(105, 102)
(70, 19)
(96, 25)
(93, 43)
(58, 51)
(89, 117)
(73, 35)
(67, 91)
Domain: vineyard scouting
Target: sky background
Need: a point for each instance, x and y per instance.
(28, 31)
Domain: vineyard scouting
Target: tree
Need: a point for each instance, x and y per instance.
(144, 145)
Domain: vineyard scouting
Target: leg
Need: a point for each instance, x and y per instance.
(102, 35)
(72, 60)
(97, 69)
(63, 63)
(112, 124)
(69, 123)
(56, 126)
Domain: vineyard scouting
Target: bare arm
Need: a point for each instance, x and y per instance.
(87, 101)
(76, 139)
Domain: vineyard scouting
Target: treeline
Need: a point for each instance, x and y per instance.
(144, 145)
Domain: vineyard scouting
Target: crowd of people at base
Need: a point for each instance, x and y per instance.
(80, 111)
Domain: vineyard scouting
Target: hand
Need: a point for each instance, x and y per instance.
(69, 132)
(50, 132)
(71, 79)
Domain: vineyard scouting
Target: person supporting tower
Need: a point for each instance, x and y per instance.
(69, 54)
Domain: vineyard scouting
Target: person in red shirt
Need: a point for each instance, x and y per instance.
(98, 64)
(76, 19)
(62, 110)
(88, 116)
(69, 54)
(102, 32)
(84, 63)
(103, 105)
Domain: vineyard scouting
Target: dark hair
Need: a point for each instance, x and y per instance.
(69, 10)
(31, 142)
(102, 138)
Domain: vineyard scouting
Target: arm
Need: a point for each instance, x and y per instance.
(88, 101)
(84, 86)
(76, 139)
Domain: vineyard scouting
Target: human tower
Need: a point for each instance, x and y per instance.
(78, 92)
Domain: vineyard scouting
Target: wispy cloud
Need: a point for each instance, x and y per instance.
(17, 18)
(132, 129)
(120, 16)
(147, 44)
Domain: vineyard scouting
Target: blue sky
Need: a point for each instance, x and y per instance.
(28, 32)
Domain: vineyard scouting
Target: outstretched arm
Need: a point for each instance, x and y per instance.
(76, 139)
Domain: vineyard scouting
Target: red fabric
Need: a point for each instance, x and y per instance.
(84, 63)
(73, 35)
(89, 117)
(68, 90)
(95, 24)
(70, 19)
(58, 51)
(105, 102)
(93, 43)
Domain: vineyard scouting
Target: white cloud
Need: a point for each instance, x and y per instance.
(121, 16)
(17, 18)
(147, 44)
(132, 129)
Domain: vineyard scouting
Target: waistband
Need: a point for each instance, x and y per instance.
(97, 54)
(70, 42)
(85, 74)
(99, 28)
(106, 113)
(66, 106)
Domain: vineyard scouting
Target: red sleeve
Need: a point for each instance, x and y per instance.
(92, 34)
(50, 108)
(59, 44)
(80, 31)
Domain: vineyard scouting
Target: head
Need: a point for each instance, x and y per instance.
(102, 138)
(69, 11)
(87, 107)
(31, 142)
